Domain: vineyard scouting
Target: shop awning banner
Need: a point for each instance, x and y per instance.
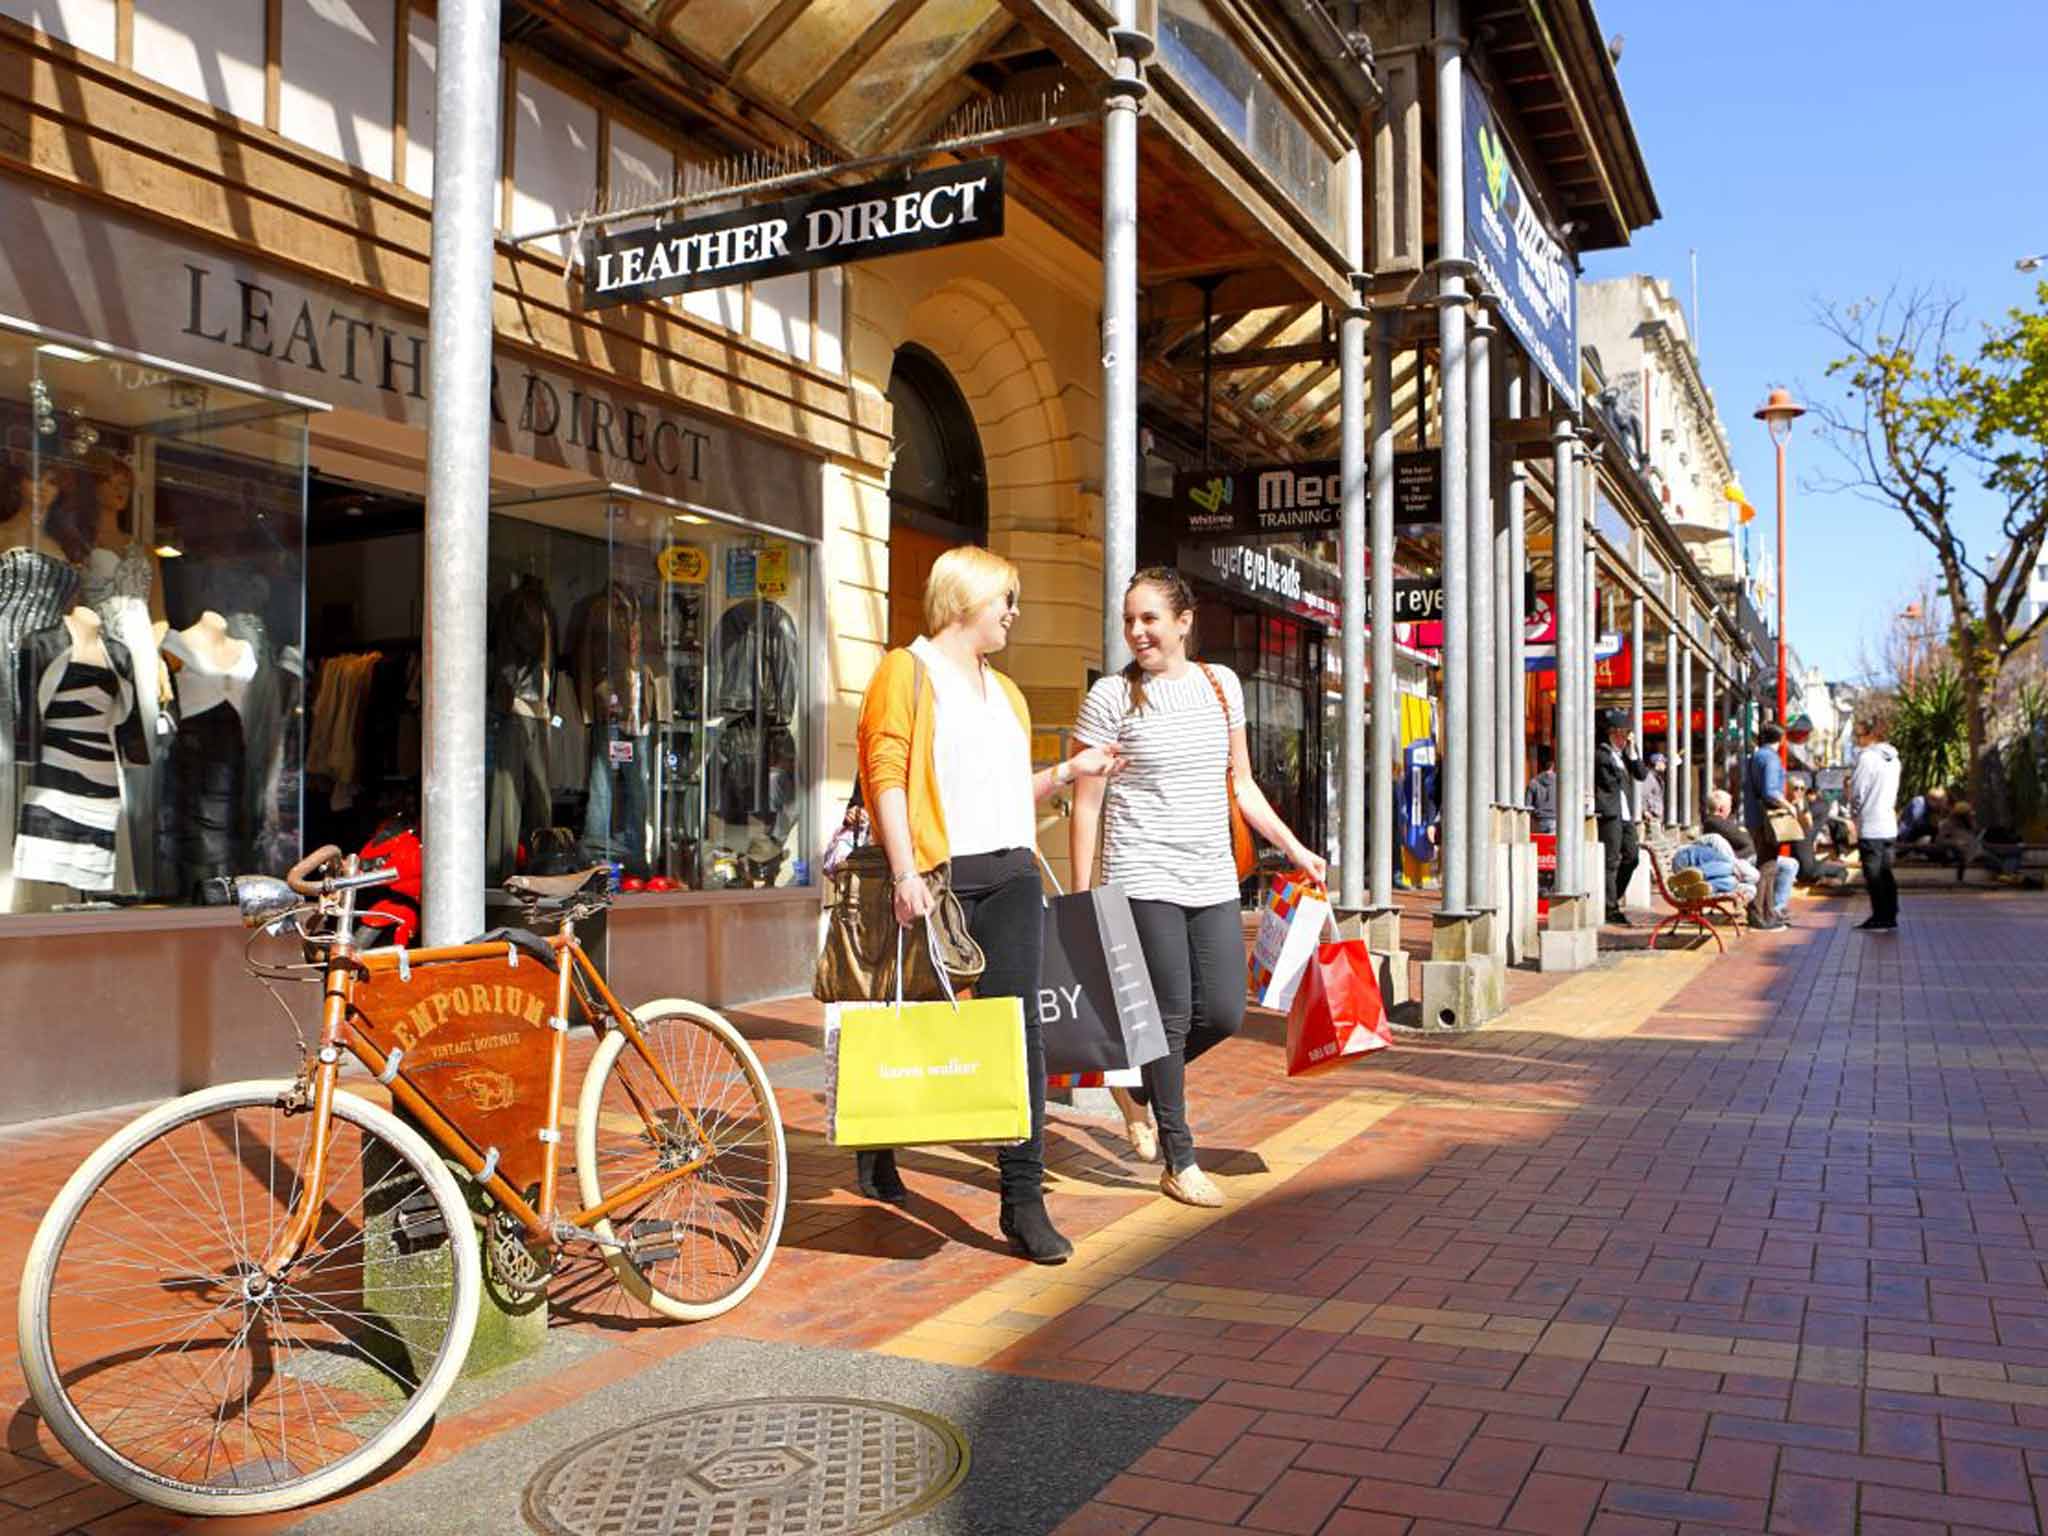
(1264, 499)
(1527, 268)
(1543, 658)
(1421, 601)
(949, 206)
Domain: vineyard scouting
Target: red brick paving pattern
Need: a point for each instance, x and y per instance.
(1774, 1249)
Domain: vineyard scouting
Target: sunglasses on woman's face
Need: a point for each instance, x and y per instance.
(1010, 599)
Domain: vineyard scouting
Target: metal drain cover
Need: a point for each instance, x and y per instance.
(770, 1466)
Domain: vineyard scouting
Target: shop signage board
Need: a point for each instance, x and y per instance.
(1421, 601)
(771, 572)
(135, 285)
(1527, 268)
(683, 565)
(949, 206)
(1261, 500)
(1275, 578)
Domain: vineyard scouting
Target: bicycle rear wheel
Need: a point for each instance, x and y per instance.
(166, 1364)
(701, 1243)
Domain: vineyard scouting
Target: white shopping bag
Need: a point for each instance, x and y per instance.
(1296, 914)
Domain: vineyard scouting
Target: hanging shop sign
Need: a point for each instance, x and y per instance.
(1616, 671)
(948, 206)
(1265, 499)
(1539, 622)
(1275, 578)
(1543, 658)
(1527, 268)
(1422, 601)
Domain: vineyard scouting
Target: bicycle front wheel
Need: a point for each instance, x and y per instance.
(697, 1245)
(172, 1368)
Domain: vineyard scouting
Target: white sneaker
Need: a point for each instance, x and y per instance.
(1191, 1186)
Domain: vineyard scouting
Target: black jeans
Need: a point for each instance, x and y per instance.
(1879, 879)
(1196, 957)
(1618, 842)
(1002, 898)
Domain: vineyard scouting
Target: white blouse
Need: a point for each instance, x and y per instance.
(982, 757)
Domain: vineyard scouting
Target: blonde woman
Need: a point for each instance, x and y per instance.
(1177, 725)
(946, 770)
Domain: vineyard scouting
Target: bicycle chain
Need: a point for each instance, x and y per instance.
(518, 1266)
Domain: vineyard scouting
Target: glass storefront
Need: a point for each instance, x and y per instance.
(674, 736)
(213, 655)
(152, 558)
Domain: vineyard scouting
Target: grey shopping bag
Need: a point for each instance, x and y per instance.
(1096, 1006)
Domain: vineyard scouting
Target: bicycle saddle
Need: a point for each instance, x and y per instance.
(555, 887)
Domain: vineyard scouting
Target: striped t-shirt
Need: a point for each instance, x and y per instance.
(1166, 816)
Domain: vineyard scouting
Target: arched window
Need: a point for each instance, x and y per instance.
(938, 487)
(937, 483)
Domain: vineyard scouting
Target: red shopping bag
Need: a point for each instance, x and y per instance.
(1338, 1012)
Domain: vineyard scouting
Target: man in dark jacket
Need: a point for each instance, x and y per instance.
(1616, 769)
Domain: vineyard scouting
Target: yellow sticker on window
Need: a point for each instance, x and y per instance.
(684, 564)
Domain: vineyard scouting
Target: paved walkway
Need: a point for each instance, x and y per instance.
(1687, 1244)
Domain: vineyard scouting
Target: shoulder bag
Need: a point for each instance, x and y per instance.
(864, 959)
(1243, 852)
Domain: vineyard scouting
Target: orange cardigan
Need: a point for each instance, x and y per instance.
(896, 743)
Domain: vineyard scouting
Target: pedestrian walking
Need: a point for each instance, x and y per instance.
(1542, 794)
(1616, 770)
(945, 765)
(1165, 819)
(1763, 791)
(1653, 792)
(1874, 801)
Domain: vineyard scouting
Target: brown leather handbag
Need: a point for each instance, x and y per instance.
(862, 937)
(1243, 851)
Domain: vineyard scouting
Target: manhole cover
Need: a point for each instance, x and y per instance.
(772, 1466)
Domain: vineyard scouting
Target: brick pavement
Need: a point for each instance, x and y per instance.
(1684, 1245)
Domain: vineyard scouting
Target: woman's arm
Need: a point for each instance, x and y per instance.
(1083, 832)
(913, 898)
(1091, 765)
(1258, 810)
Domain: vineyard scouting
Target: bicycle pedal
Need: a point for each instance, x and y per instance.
(638, 1246)
(418, 1219)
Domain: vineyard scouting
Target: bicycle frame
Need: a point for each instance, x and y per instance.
(346, 965)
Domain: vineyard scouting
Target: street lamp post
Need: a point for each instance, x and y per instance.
(1777, 414)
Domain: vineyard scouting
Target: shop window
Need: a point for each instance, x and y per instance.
(938, 488)
(651, 680)
(152, 532)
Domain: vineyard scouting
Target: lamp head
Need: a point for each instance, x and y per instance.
(1779, 412)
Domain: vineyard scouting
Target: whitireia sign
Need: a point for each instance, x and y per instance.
(949, 206)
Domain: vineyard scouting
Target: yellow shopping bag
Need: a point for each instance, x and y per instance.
(921, 1074)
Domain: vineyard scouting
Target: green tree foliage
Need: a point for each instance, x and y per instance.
(1937, 430)
(1931, 729)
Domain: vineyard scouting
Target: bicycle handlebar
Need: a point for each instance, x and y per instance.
(299, 876)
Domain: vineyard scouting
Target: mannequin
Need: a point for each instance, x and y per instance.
(121, 583)
(522, 660)
(78, 721)
(37, 585)
(203, 828)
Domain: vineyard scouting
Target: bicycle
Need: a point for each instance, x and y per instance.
(254, 1296)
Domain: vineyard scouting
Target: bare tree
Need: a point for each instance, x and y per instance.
(1929, 433)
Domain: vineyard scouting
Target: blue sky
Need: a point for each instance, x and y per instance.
(1825, 149)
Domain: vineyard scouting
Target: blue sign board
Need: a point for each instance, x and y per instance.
(1526, 267)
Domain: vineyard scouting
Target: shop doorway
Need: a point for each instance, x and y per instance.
(938, 482)
(1280, 661)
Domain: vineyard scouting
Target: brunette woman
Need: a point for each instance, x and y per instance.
(947, 770)
(1177, 726)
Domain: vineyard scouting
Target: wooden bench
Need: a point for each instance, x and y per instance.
(1702, 913)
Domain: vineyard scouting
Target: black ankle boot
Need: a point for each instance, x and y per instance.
(878, 1179)
(1033, 1235)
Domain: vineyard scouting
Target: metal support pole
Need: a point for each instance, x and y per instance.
(1674, 736)
(1514, 684)
(1455, 762)
(1564, 546)
(1635, 695)
(1589, 624)
(1120, 328)
(1385, 706)
(1710, 764)
(1691, 776)
(459, 327)
(1352, 486)
(1479, 738)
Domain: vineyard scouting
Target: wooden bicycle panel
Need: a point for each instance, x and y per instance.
(476, 1044)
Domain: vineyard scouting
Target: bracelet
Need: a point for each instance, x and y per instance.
(899, 879)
